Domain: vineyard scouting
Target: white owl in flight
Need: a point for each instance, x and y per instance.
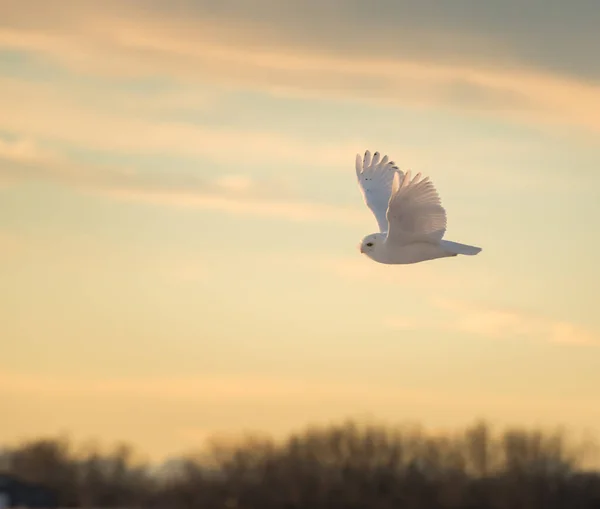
(409, 213)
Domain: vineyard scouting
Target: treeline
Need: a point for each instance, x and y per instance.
(350, 466)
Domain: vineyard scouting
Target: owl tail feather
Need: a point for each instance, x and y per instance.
(457, 248)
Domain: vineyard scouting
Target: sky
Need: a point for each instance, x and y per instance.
(179, 216)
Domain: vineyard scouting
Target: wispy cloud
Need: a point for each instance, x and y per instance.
(44, 112)
(500, 323)
(339, 396)
(237, 194)
(295, 211)
(113, 126)
(119, 41)
(559, 38)
(22, 150)
(206, 388)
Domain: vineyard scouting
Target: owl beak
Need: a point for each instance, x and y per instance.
(360, 247)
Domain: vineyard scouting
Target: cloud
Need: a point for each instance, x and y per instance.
(544, 34)
(501, 323)
(410, 56)
(21, 158)
(453, 314)
(206, 388)
(22, 151)
(237, 194)
(297, 211)
(280, 393)
(53, 115)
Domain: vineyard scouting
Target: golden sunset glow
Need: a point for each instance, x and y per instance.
(179, 216)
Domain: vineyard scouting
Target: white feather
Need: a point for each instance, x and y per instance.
(375, 181)
(415, 212)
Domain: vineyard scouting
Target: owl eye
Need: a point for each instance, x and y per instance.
(369, 244)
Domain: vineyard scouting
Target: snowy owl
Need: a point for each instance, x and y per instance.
(409, 213)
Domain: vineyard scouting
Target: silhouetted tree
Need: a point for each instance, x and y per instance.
(347, 466)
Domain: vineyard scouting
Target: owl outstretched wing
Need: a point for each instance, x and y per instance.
(414, 211)
(375, 175)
